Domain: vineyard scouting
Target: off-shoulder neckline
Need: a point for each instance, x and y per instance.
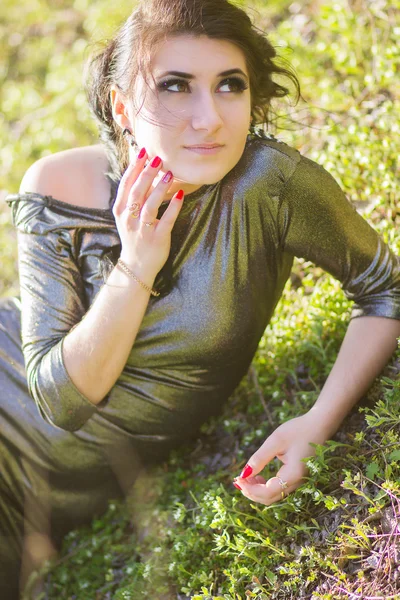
(257, 135)
(51, 200)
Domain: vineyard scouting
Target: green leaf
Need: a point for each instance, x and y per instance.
(395, 456)
(373, 469)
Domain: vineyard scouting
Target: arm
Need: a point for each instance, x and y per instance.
(53, 307)
(96, 350)
(73, 358)
(367, 346)
(320, 225)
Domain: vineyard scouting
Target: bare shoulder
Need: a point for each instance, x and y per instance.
(76, 176)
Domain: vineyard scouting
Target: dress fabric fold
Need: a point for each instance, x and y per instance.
(232, 251)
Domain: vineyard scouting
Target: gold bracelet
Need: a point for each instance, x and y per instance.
(127, 270)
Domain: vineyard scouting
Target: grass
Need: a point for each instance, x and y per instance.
(185, 532)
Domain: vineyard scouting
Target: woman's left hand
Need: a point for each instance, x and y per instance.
(290, 443)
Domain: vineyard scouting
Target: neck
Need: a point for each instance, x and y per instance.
(188, 188)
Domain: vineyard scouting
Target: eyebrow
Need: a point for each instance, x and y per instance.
(190, 76)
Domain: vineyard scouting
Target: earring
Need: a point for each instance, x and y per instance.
(128, 133)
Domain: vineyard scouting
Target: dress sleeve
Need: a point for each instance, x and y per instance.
(52, 303)
(318, 223)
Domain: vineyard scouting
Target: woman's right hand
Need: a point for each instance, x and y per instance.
(145, 248)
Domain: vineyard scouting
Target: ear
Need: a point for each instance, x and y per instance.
(120, 109)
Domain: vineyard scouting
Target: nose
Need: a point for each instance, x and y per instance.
(206, 114)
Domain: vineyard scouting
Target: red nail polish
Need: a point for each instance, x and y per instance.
(142, 153)
(167, 177)
(246, 472)
(179, 195)
(237, 485)
(156, 162)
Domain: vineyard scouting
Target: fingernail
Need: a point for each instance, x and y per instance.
(156, 162)
(179, 195)
(142, 153)
(246, 472)
(167, 177)
(237, 485)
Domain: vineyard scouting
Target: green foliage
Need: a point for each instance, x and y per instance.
(98, 559)
(195, 535)
(42, 52)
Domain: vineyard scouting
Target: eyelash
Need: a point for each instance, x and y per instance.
(237, 81)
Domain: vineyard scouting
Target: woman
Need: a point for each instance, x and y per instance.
(199, 243)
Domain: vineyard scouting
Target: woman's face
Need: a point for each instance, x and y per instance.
(200, 96)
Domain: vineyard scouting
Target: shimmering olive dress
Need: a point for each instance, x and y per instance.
(233, 249)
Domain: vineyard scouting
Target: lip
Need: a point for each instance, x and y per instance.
(205, 148)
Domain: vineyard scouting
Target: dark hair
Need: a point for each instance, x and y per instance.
(130, 51)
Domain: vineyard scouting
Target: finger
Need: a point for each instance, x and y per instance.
(128, 179)
(140, 188)
(272, 447)
(237, 482)
(257, 479)
(255, 491)
(153, 201)
(168, 219)
(280, 485)
(259, 492)
(289, 477)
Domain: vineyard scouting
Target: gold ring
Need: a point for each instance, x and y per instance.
(134, 210)
(283, 484)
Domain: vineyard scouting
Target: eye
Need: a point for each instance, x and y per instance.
(236, 85)
(180, 85)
